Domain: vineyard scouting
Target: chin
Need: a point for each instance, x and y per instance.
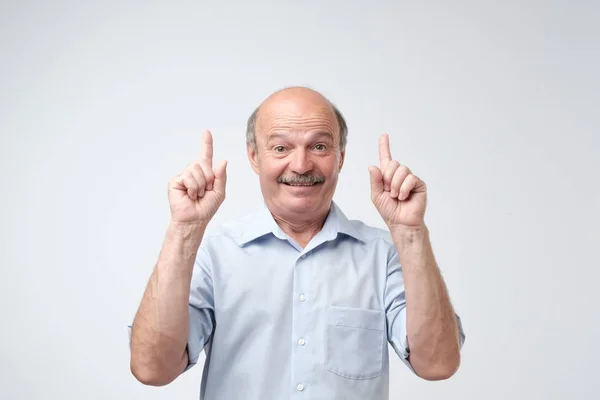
(300, 204)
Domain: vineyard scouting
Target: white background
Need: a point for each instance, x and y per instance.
(493, 104)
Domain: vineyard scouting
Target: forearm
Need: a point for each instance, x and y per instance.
(160, 328)
(432, 327)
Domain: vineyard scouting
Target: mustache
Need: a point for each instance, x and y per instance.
(301, 179)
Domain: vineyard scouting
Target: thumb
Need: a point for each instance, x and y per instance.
(220, 177)
(376, 180)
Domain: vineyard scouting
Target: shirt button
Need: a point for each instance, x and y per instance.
(300, 387)
(301, 342)
(302, 297)
(303, 256)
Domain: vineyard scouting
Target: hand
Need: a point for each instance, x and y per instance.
(196, 194)
(399, 196)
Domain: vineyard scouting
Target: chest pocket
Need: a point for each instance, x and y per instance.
(355, 342)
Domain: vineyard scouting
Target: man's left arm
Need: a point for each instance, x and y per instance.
(423, 327)
(432, 326)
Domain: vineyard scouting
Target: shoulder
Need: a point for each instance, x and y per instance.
(375, 241)
(229, 229)
(232, 230)
(370, 233)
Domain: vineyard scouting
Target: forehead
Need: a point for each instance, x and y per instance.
(299, 113)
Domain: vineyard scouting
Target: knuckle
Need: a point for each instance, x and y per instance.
(191, 168)
(195, 167)
(392, 167)
(189, 180)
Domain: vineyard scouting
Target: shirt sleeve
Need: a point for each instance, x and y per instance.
(395, 308)
(201, 307)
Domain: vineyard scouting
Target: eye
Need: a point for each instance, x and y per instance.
(320, 147)
(279, 149)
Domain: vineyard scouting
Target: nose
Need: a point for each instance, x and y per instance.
(301, 162)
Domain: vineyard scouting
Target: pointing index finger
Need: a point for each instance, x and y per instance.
(385, 155)
(206, 154)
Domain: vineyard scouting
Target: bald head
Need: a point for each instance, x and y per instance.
(296, 94)
(298, 102)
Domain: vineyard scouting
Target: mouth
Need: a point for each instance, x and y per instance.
(301, 184)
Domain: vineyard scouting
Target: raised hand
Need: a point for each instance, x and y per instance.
(399, 196)
(196, 194)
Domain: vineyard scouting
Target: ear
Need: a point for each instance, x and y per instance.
(253, 158)
(342, 157)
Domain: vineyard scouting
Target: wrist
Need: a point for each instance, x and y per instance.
(188, 232)
(405, 236)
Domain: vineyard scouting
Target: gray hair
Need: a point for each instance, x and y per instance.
(251, 128)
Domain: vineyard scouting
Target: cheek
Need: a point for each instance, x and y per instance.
(272, 169)
(330, 168)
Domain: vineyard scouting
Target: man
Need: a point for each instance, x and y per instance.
(295, 301)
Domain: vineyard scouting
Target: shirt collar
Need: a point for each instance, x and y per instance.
(262, 223)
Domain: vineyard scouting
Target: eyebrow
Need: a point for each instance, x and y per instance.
(316, 135)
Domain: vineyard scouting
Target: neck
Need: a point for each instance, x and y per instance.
(302, 230)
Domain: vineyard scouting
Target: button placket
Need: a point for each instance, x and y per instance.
(301, 354)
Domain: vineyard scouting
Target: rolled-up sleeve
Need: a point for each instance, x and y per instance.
(395, 307)
(201, 307)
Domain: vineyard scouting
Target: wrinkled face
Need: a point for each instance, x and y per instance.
(298, 156)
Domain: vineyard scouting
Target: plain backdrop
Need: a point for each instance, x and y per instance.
(493, 104)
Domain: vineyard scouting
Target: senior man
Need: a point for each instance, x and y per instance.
(295, 301)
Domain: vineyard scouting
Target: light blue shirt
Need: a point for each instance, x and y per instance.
(281, 322)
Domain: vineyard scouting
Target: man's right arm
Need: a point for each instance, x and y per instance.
(160, 329)
(160, 334)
